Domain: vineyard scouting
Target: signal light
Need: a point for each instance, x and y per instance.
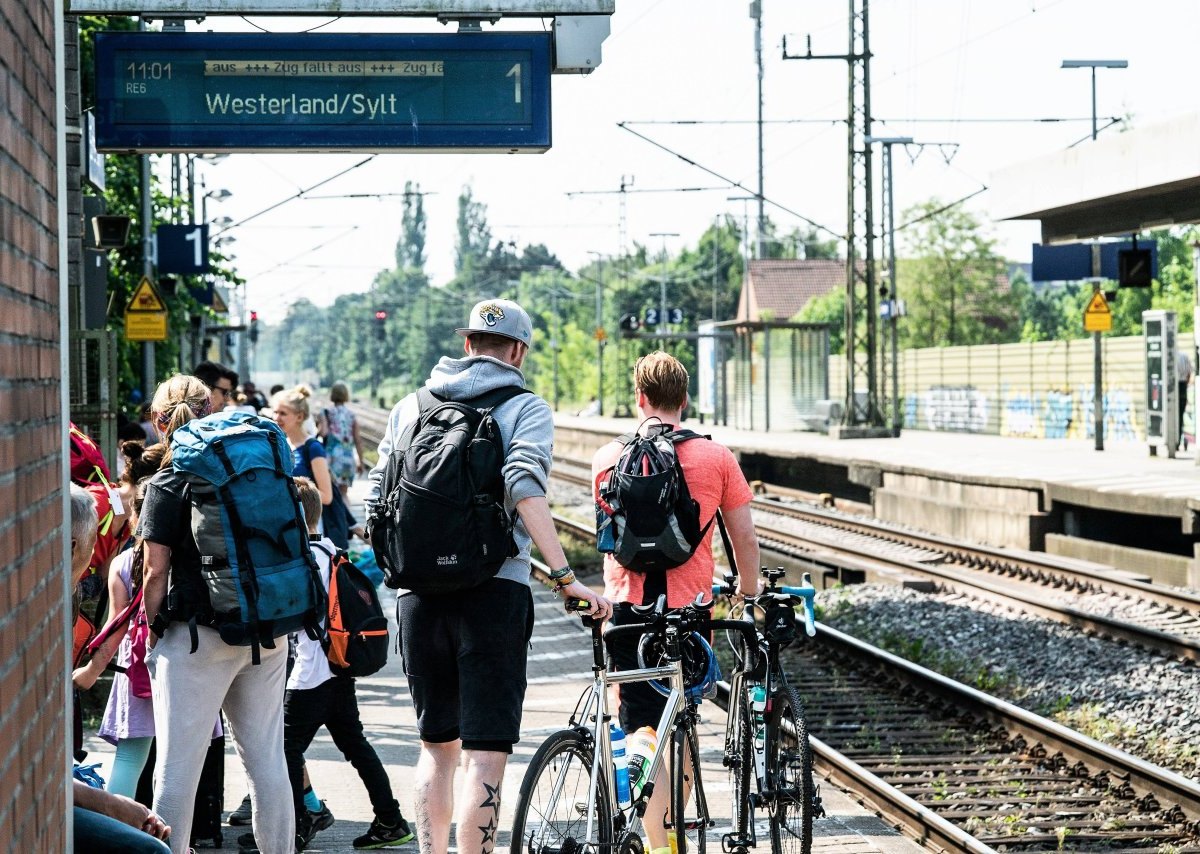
(254, 317)
(380, 314)
(629, 324)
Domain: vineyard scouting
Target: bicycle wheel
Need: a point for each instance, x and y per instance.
(738, 761)
(689, 815)
(551, 815)
(790, 799)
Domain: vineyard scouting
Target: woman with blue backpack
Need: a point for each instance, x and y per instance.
(217, 627)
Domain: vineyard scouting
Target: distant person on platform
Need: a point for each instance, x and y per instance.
(254, 397)
(221, 381)
(1183, 377)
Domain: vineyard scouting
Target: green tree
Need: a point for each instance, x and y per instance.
(410, 248)
(953, 281)
(827, 308)
(474, 235)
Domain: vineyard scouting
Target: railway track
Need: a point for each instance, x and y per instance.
(962, 770)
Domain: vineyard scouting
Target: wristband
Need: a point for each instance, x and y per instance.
(565, 581)
(556, 574)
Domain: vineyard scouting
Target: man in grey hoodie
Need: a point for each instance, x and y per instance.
(465, 653)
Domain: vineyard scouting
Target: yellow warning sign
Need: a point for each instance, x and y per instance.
(146, 325)
(1097, 317)
(599, 334)
(218, 303)
(146, 298)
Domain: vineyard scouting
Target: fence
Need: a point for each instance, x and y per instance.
(1039, 390)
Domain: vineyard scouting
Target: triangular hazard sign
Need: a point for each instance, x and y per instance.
(1098, 305)
(145, 297)
(218, 303)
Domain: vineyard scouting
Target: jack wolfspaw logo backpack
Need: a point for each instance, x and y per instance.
(645, 515)
(440, 525)
(258, 578)
(357, 629)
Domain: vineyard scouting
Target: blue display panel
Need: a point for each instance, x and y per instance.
(322, 92)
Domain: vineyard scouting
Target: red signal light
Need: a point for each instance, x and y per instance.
(380, 314)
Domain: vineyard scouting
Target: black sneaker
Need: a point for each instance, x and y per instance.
(382, 835)
(241, 816)
(304, 835)
(321, 819)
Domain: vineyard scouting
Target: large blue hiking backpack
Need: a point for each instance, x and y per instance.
(258, 572)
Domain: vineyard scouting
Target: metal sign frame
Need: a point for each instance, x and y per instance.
(384, 8)
(169, 107)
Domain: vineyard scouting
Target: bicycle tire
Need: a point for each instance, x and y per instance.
(688, 818)
(739, 760)
(790, 803)
(551, 813)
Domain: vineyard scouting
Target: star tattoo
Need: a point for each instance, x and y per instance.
(489, 836)
(492, 800)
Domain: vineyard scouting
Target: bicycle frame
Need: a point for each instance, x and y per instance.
(596, 706)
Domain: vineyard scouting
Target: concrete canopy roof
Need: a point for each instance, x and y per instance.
(1122, 184)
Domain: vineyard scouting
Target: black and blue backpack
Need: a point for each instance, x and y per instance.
(259, 578)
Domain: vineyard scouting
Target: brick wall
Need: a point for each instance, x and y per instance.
(33, 725)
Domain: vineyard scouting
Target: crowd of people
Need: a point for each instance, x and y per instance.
(183, 678)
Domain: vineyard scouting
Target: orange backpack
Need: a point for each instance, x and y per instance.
(357, 629)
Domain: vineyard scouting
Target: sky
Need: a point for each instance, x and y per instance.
(943, 72)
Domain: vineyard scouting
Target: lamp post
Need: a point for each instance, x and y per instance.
(1093, 64)
(662, 284)
(889, 199)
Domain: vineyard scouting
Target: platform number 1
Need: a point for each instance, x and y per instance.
(196, 238)
(515, 74)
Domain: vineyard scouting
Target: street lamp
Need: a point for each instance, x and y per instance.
(1094, 64)
(662, 285)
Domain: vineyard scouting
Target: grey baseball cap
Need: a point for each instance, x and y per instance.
(499, 317)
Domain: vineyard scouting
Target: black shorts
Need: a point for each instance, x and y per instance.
(641, 705)
(464, 655)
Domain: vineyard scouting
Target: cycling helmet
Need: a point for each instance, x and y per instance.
(701, 673)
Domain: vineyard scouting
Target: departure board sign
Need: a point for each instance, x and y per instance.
(160, 92)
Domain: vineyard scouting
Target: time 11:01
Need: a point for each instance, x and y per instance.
(149, 70)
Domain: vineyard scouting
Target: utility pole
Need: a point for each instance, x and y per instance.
(600, 336)
(861, 356)
(756, 14)
(889, 214)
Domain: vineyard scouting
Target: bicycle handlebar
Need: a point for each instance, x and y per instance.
(783, 593)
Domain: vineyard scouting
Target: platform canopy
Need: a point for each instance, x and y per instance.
(422, 8)
(1120, 184)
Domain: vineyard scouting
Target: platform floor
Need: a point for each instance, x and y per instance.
(1122, 477)
(559, 671)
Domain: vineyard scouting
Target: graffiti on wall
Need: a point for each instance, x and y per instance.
(1068, 414)
(958, 409)
(1052, 414)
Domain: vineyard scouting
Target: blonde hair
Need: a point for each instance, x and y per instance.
(177, 401)
(310, 500)
(663, 379)
(295, 399)
(339, 392)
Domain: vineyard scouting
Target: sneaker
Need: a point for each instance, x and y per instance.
(382, 835)
(241, 816)
(322, 819)
(247, 844)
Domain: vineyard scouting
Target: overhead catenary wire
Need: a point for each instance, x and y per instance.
(295, 196)
(731, 182)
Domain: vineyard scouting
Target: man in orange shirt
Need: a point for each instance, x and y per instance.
(715, 481)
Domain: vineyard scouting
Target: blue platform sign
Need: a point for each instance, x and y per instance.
(182, 249)
(323, 92)
(1072, 262)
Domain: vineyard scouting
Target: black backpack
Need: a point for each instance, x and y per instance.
(440, 525)
(357, 630)
(645, 516)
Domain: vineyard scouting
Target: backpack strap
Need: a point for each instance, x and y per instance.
(490, 400)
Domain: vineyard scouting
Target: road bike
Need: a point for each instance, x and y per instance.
(568, 801)
(767, 753)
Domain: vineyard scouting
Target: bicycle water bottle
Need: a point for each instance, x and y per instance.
(617, 737)
(642, 745)
(758, 708)
(758, 701)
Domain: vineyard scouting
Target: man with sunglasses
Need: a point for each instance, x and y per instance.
(220, 379)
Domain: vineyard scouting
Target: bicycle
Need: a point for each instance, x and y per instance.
(766, 735)
(568, 797)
